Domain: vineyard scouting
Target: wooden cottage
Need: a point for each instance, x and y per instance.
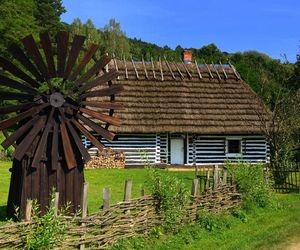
(185, 113)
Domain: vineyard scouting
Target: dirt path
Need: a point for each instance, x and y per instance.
(294, 244)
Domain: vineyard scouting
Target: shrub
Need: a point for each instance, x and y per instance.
(251, 182)
(212, 222)
(172, 195)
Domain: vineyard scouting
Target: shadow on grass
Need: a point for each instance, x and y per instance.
(3, 213)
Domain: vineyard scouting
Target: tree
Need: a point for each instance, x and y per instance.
(115, 40)
(48, 14)
(17, 21)
(294, 82)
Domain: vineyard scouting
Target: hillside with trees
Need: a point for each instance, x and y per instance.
(276, 82)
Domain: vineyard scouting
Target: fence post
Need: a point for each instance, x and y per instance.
(224, 176)
(142, 192)
(216, 176)
(207, 180)
(28, 210)
(195, 187)
(127, 191)
(106, 198)
(56, 202)
(84, 207)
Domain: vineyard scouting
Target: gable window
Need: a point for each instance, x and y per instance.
(233, 146)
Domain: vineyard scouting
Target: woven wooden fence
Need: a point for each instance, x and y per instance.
(124, 219)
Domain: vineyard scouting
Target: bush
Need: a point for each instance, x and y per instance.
(251, 182)
(172, 195)
(212, 222)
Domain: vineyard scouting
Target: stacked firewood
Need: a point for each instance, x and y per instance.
(107, 158)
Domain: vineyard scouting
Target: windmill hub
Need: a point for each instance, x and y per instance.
(57, 99)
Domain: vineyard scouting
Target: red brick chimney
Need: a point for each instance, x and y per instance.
(187, 56)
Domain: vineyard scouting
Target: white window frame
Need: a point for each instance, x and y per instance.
(234, 154)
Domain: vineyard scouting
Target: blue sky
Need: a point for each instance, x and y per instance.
(268, 26)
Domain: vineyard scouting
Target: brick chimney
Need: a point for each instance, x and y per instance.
(187, 56)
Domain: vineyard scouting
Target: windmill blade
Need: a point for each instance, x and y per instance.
(15, 108)
(106, 118)
(76, 48)
(28, 140)
(85, 154)
(62, 51)
(84, 61)
(67, 146)
(15, 96)
(43, 141)
(20, 56)
(98, 129)
(113, 74)
(54, 149)
(48, 51)
(19, 132)
(8, 82)
(104, 105)
(34, 52)
(112, 90)
(11, 121)
(100, 64)
(84, 131)
(14, 70)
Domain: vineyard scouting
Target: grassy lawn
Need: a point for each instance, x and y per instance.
(97, 179)
(272, 228)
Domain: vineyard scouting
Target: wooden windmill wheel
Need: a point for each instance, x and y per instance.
(52, 86)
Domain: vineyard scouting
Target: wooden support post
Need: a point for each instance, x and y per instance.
(216, 71)
(161, 69)
(224, 176)
(142, 192)
(127, 191)
(207, 180)
(209, 72)
(125, 66)
(198, 70)
(223, 70)
(216, 176)
(145, 69)
(153, 69)
(195, 187)
(181, 75)
(169, 67)
(28, 210)
(186, 70)
(84, 199)
(106, 198)
(56, 202)
(135, 69)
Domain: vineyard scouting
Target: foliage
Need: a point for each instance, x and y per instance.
(48, 230)
(172, 195)
(212, 222)
(250, 178)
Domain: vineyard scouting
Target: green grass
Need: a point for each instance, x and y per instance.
(97, 179)
(265, 229)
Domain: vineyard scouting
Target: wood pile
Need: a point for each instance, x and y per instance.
(107, 158)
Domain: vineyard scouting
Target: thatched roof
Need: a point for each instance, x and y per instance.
(175, 97)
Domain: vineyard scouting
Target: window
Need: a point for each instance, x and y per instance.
(233, 146)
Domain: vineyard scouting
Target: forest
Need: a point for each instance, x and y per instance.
(275, 81)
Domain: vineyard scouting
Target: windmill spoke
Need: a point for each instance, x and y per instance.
(84, 131)
(74, 52)
(100, 64)
(14, 108)
(48, 50)
(16, 85)
(112, 90)
(34, 52)
(54, 149)
(85, 154)
(15, 96)
(11, 121)
(7, 65)
(43, 140)
(84, 61)
(62, 50)
(19, 132)
(28, 140)
(113, 74)
(67, 146)
(106, 118)
(97, 128)
(105, 105)
(19, 55)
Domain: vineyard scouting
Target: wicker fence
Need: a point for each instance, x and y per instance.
(127, 218)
